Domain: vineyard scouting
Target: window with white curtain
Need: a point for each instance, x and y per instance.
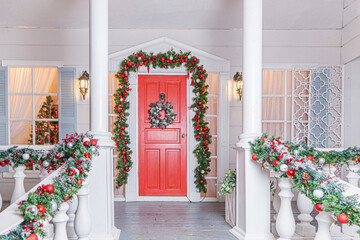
(277, 103)
(33, 106)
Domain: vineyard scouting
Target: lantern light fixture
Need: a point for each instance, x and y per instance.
(238, 84)
(84, 83)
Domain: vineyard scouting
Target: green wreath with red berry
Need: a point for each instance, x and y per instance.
(170, 59)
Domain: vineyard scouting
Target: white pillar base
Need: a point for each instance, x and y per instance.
(240, 234)
(115, 235)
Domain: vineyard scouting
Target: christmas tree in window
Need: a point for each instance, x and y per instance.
(46, 132)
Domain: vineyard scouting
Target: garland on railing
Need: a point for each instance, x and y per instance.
(74, 156)
(170, 59)
(304, 165)
(228, 185)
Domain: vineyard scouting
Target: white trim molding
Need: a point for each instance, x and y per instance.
(213, 65)
(30, 63)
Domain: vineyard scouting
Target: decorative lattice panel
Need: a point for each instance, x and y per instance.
(317, 106)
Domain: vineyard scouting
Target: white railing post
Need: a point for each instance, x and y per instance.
(59, 221)
(285, 222)
(70, 229)
(305, 207)
(82, 219)
(19, 188)
(276, 202)
(43, 173)
(324, 222)
(353, 179)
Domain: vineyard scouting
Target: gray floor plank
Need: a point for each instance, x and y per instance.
(172, 221)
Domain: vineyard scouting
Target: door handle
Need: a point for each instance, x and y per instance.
(183, 135)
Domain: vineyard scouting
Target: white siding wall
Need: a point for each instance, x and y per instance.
(351, 31)
(71, 46)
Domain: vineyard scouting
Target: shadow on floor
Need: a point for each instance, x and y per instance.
(172, 221)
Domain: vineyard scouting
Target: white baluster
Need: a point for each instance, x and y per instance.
(353, 178)
(0, 202)
(59, 221)
(276, 202)
(43, 173)
(71, 213)
(82, 218)
(324, 222)
(285, 222)
(19, 188)
(305, 206)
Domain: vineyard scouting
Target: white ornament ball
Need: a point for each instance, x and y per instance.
(284, 167)
(93, 149)
(321, 160)
(32, 209)
(53, 205)
(197, 80)
(70, 145)
(297, 164)
(202, 171)
(25, 156)
(86, 139)
(318, 193)
(45, 163)
(296, 152)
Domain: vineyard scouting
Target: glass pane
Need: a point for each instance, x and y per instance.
(113, 83)
(20, 132)
(111, 104)
(213, 167)
(212, 82)
(273, 82)
(20, 80)
(273, 108)
(288, 132)
(46, 107)
(111, 123)
(288, 108)
(47, 133)
(289, 83)
(213, 147)
(211, 188)
(45, 80)
(274, 129)
(20, 107)
(212, 124)
(212, 104)
(119, 192)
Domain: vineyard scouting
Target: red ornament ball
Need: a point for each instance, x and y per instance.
(195, 59)
(130, 64)
(162, 59)
(86, 143)
(254, 157)
(201, 76)
(318, 207)
(86, 155)
(275, 163)
(342, 218)
(41, 209)
(32, 236)
(311, 158)
(122, 127)
(201, 181)
(127, 168)
(200, 103)
(49, 188)
(123, 152)
(79, 182)
(290, 173)
(93, 142)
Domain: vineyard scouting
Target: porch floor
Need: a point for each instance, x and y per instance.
(172, 221)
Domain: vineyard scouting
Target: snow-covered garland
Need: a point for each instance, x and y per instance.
(170, 59)
(74, 157)
(305, 166)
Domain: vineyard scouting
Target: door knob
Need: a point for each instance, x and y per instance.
(183, 135)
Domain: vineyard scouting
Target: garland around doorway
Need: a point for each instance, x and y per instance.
(170, 59)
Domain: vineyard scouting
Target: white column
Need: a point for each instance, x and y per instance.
(70, 228)
(285, 222)
(101, 190)
(59, 221)
(82, 222)
(305, 207)
(19, 188)
(253, 183)
(324, 222)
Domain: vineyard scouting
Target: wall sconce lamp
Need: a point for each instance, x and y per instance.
(238, 84)
(84, 83)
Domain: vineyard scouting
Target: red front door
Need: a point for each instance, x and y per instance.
(162, 152)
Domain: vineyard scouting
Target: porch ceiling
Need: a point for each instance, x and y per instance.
(184, 14)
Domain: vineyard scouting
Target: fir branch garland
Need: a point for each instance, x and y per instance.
(74, 157)
(170, 59)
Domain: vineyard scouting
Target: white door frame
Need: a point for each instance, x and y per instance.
(213, 65)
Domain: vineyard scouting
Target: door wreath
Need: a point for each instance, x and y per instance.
(170, 59)
(155, 116)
